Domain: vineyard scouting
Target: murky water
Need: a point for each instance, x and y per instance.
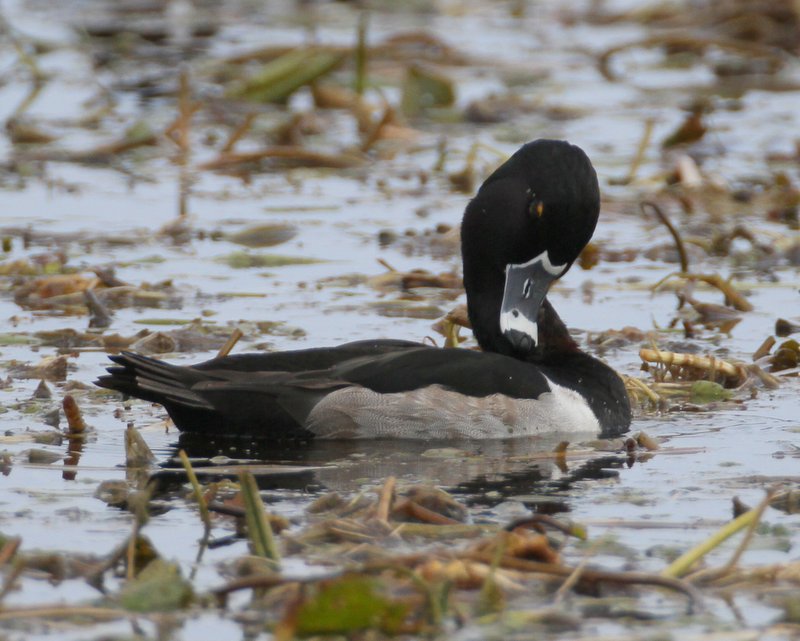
(685, 491)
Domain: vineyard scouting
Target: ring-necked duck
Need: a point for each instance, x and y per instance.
(526, 225)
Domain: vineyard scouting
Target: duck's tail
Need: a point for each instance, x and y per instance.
(208, 401)
(156, 381)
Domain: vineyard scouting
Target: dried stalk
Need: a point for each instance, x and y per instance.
(680, 566)
(735, 372)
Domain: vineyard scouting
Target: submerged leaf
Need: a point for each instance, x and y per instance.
(263, 235)
(281, 77)
(22, 132)
(346, 605)
(137, 452)
(785, 328)
(35, 294)
(158, 588)
(424, 89)
(708, 391)
(690, 130)
(42, 457)
(50, 368)
(245, 260)
(787, 356)
(155, 343)
(17, 339)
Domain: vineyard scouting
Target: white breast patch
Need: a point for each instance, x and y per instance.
(436, 413)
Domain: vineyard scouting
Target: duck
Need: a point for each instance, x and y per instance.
(522, 231)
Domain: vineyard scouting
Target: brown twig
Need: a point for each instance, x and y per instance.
(537, 520)
(767, 380)
(385, 500)
(178, 131)
(572, 580)
(130, 552)
(765, 347)
(638, 158)
(714, 574)
(599, 576)
(11, 580)
(261, 581)
(99, 316)
(9, 549)
(227, 510)
(384, 263)
(75, 422)
(694, 42)
(662, 217)
(236, 334)
(299, 155)
(376, 131)
(65, 611)
(238, 133)
(416, 511)
(732, 297)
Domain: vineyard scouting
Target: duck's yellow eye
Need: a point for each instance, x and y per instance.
(537, 208)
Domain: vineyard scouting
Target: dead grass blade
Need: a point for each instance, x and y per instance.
(385, 499)
(773, 54)
(281, 77)
(602, 576)
(287, 153)
(681, 566)
(259, 530)
(63, 612)
(662, 217)
(205, 515)
(236, 334)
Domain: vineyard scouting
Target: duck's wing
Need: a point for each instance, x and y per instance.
(132, 370)
(302, 360)
(465, 371)
(195, 403)
(395, 394)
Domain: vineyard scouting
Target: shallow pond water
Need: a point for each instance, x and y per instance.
(111, 214)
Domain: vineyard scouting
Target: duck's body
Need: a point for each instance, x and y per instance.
(525, 227)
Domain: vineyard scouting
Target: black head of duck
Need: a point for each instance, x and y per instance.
(523, 230)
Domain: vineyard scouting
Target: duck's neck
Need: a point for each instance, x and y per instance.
(554, 339)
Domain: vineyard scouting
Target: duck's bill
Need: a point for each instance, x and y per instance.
(526, 286)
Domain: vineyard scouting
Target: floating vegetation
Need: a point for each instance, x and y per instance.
(369, 586)
(691, 366)
(400, 308)
(247, 260)
(424, 90)
(394, 280)
(76, 294)
(786, 357)
(279, 78)
(159, 587)
(742, 21)
(281, 156)
(772, 59)
(263, 235)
